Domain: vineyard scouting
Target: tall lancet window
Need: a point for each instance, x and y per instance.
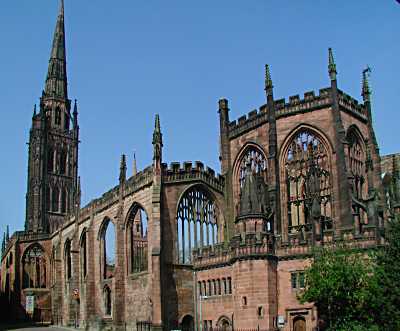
(137, 239)
(308, 182)
(197, 224)
(34, 267)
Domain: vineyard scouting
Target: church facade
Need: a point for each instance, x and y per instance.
(195, 249)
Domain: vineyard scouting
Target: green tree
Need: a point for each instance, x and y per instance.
(385, 297)
(339, 283)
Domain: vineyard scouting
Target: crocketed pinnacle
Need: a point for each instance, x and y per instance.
(331, 65)
(56, 80)
(366, 92)
(134, 166)
(268, 80)
(122, 168)
(157, 135)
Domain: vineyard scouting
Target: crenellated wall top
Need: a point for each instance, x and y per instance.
(295, 105)
(186, 172)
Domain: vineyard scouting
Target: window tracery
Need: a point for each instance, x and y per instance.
(197, 224)
(257, 162)
(308, 182)
(34, 268)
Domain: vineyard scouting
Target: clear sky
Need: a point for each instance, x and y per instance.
(131, 59)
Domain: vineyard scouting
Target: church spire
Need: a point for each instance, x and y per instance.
(56, 80)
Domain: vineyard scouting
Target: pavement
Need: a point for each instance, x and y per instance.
(34, 328)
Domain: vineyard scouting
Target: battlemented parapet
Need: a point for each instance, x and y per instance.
(245, 246)
(185, 172)
(295, 105)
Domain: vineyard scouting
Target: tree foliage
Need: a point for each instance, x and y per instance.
(385, 299)
(357, 291)
(338, 282)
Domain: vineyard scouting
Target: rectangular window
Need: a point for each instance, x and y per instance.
(297, 280)
(301, 280)
(294, 280)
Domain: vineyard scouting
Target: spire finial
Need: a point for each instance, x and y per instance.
(366, 92)
(331, 65)
(134, 167)
(268, 80)
(157, 140)
(56, 81)
(122, 168)
(34, 110)
(7, 233)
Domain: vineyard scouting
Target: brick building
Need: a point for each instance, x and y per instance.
(193, 249)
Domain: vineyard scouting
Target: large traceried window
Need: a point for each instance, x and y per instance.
(357, 167)
(137, 242)
(34, 267)
(257, 162)
(197, 224)
(308, 182)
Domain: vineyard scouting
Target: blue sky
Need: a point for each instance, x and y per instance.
(130, 59)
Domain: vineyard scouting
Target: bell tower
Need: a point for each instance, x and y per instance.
(53, 146)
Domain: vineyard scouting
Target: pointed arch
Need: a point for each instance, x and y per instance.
(55, 199)
(306, 183)
(356, 157)
(34, 265)
(253, 154)
(197, 222)
(106, 236)
(68, 259)
(136, 228)
(83, 254)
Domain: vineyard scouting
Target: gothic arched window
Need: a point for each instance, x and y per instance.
(50, 159)
(107, 247)
(356, 160)
(308, 182)
(197, 224)
(357, 168)
(83, 255)
(63, 161)
(55, 199)
(137, 239)
(34, 267)
(68, 259)
(64, 200)
(57, 119)
(107, 297)
(257, 162)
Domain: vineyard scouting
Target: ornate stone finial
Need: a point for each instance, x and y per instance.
(268, 81)
(157, 139)
(331, 65)
(122, 168)
(75, 107)
(134, 166)
(34, 110)
(7, 233)
(366, 92)
(222, 104)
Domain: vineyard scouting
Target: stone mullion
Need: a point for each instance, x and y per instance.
(90, 293)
